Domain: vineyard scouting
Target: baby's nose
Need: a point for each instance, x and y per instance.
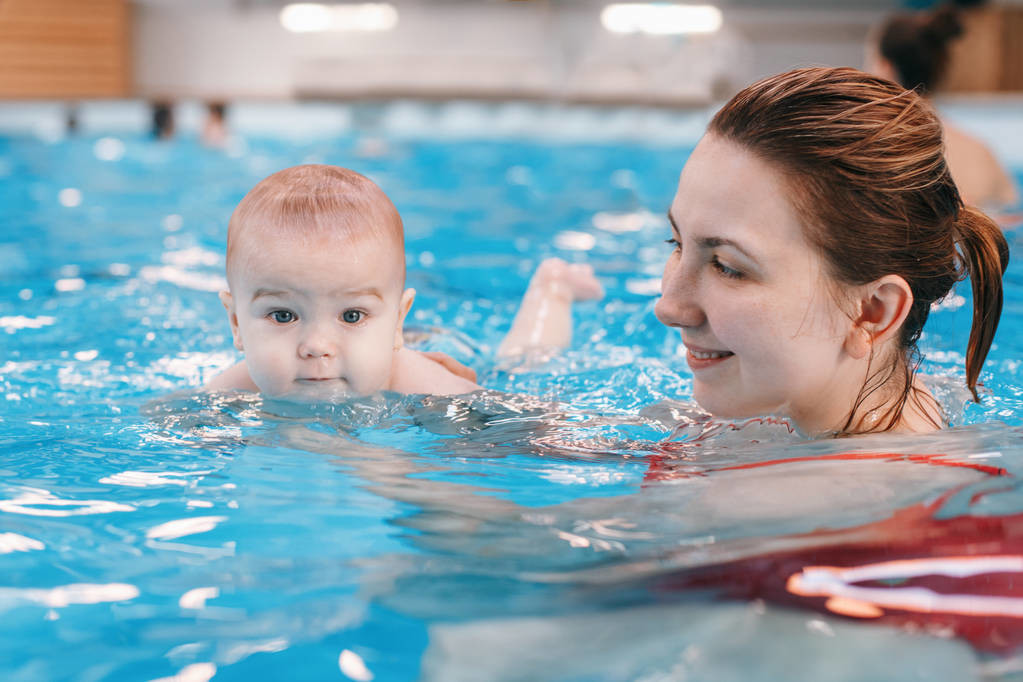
(317, 344)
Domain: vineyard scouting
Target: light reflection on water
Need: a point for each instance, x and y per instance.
(540, 530)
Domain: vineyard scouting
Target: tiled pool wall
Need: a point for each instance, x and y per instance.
(995, 119)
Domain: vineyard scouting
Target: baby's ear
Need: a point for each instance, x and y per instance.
(407, 297)
(228, 300)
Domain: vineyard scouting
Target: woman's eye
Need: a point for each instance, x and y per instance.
(351, 316)
(674, 243)
(731, 273)
(283, 316)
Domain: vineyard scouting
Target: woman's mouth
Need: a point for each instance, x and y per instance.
(703, 359)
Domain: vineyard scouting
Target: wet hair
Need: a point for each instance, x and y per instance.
(314, 200)
(917, 45)
(863, 160)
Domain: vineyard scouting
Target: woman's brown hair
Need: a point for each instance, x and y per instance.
(864, 160)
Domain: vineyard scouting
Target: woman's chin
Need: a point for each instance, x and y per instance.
(725, 406)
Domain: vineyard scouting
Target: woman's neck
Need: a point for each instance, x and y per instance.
(893, 409)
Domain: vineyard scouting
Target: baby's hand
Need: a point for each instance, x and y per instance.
(451, 365)
(573, 281)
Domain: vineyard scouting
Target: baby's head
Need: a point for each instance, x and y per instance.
(316, 277)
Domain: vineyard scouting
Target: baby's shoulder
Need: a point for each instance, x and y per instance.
(416, 373)
(234, 378)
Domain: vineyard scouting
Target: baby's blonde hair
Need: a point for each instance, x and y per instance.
(313, 200)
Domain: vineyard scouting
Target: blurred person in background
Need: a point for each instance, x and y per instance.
(214, 130)
(71, 118)
(162, 120)
(913, 49)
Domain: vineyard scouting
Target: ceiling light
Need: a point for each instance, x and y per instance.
(307, 17)
(661, 18)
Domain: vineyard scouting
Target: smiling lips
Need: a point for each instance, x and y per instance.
(702, 358)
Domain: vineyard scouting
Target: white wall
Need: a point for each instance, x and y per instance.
(222, 50)
(554, 50)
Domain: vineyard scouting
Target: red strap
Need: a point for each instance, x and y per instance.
(658, 470)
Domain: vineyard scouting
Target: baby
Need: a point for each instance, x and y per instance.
(317, 297)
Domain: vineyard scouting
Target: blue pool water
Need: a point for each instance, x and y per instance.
(493, 537)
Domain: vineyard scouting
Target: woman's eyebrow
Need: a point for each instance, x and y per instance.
(711, 242)
(671, 219)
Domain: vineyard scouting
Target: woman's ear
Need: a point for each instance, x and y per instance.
(882, 308)
(407, 297)
(232, 317)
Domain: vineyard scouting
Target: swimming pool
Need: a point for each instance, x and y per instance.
(484, 538)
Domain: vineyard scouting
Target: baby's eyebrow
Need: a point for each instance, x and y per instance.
(368, 291)
(268, 292)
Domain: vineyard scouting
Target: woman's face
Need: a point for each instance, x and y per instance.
(751, 298)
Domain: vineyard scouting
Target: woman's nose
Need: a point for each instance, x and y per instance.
(679, 304)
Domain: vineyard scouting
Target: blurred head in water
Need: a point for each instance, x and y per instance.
(814, 226)
(163, 120)
(913, 48)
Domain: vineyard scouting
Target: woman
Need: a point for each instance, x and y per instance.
(814, 226)
(913, 49)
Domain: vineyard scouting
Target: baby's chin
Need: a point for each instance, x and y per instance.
(325, 390)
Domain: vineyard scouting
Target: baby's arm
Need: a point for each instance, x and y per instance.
(544, 320)
(414, 372)
(234, 378)
(450, 364)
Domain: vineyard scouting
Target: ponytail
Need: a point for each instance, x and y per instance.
(985, 255)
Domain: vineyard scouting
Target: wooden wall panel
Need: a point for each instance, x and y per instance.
(65, 48)
(1012, 44)
(989, 56)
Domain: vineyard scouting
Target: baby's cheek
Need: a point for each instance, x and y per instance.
(267, 368)
(263, 381)
(372, 364)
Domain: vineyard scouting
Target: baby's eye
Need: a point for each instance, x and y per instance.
(351, 316)
(283, 316)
